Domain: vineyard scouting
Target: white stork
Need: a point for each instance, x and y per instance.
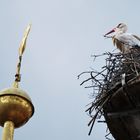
(122, 40)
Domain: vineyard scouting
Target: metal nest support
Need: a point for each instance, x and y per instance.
(115, 96)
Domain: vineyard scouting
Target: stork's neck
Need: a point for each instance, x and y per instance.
(121, 30)
(118, 32)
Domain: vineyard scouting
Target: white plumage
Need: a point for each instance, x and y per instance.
(122, 40)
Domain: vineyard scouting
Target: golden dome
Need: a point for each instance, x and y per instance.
(15, 106)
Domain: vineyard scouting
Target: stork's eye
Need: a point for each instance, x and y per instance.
(119, 25)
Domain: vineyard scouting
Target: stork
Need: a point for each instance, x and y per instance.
(122, 40)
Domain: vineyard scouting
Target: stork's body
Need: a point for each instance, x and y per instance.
(122, 40)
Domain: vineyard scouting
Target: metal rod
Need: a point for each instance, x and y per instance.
(8, 130)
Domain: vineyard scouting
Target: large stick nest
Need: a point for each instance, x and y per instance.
(119, 68)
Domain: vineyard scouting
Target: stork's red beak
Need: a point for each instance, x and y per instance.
(113, 30)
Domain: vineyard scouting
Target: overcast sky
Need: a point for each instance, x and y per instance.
(64, 35)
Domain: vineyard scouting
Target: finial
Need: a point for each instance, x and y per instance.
(16, 107)
(21, 51)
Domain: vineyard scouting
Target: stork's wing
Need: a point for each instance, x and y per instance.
(137, 37)
(128, 39)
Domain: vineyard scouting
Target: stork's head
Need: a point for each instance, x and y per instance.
(121, 28)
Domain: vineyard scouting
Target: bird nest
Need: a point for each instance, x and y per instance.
(119, 68)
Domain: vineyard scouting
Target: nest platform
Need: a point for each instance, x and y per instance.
(122, 111)
(116, 94)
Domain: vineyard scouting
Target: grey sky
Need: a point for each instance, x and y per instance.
(64, 34)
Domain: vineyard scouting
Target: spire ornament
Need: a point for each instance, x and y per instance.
(16, 107)
(21, 51)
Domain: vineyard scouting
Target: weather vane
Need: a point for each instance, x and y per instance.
(21, 51)
(16, 107)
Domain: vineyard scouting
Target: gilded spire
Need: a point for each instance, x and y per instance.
(16, 107)
(21, 51)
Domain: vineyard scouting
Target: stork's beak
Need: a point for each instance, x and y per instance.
(113, 30)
